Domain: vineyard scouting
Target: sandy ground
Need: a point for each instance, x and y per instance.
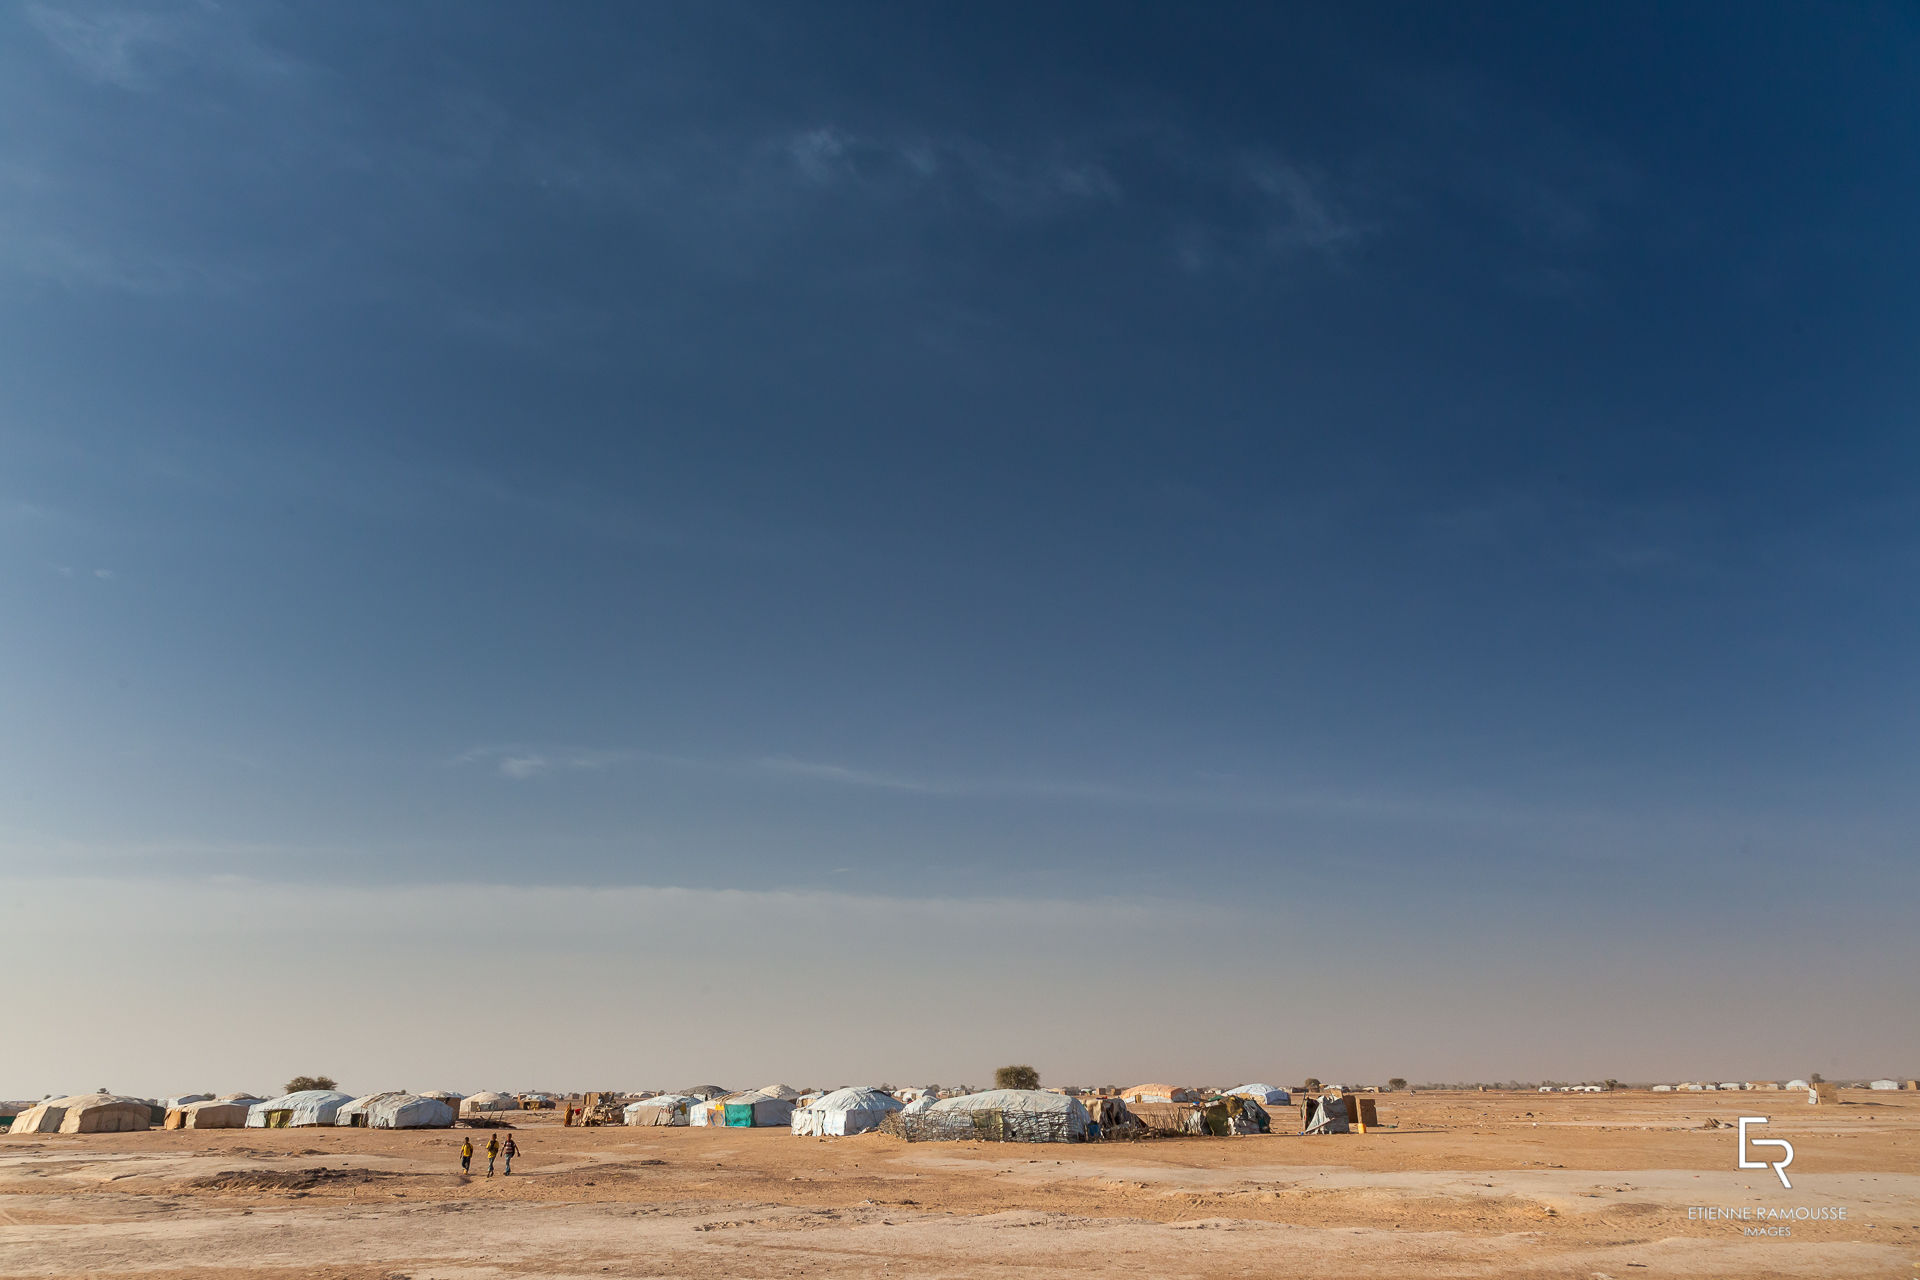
(1480, 1185)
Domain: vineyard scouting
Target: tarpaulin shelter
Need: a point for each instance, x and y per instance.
(1262, 1093)
(1159, 1093)
(1325, 1115)
(297, 1110)
(757, 1111)
(211, 1114)
(1002, 1115)
(85, 1113)
(487, 1100)
(704, 1092)
(843, 1112)
(664, 1109)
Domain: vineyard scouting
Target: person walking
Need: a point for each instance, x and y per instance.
(466, 1156)
(509, 1151)
(493, 1152)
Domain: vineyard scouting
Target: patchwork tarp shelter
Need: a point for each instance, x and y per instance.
(704, 1112)
(1326, 1115)
(487, 1100)
(757, 1111)
(353, 1115)
(297, 1110)
(664, 1109)
(843, 1112)
(1002, 1115)
(704, 1092)
(1158, 1093)
(447, 1096)
(922, 1103)
(85, 1113)
(210, 1114)
(1262, 1093)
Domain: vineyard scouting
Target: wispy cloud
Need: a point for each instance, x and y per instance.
(849, 777)
(128, 46)
(521, 763)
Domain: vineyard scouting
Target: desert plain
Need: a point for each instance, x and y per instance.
(1466, 1184)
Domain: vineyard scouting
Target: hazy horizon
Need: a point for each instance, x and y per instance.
(638, 542)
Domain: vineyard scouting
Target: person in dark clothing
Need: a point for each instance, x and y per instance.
(509, 1151)
(466, 1156)
(493, 1152)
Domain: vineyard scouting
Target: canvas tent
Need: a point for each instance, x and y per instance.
(705, 1112)
(843, 1112)
(447, 1096)
(784, 1092)
(297, 1110)
(487, 1100)
(85, 1113)
(756, 1110)
(409, 1111)
(209, 1114)
(1158, 1093)
(1326, 1115)
(186, 1098)
(1009, 1115)
(1262, 1093)
(665, 1109)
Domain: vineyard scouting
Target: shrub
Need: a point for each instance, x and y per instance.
(1397, 1084)
(1312, 1085)
(1016, 1078)
(300, 1084)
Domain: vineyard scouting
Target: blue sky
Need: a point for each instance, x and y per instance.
(1465, 454)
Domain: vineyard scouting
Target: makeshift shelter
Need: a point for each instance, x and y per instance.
(42, 1117)
(1165, 1117)
(706, 1112)
(1884, 1084)
(210, 1114)
(487, 1100)
(922, 1103)
(663, 1109)
(1158, 1093)
(784, 1092)
(1262, 1093)
(1663, 1088)
(704, 1092)
(186, 1098)
(758, 1111)
(1111, 1116)
(1325, 1115)
(1796, 1084)
(85, 1113)
(447, 1096)
(409, 1111)
(353, 1115)
(297, 1110)
(843, 1112)
(997, 1115)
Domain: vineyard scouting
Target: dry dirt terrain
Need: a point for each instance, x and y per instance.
(1594, 1187)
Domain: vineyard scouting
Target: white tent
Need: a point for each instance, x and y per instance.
(1796, 1084)
(1051, 1114)
(844, 1111)
(353, 1115)
(922, 1103)
(1158, 1093)
(186, 1098)
(297, 1110)
(784, 1092)
(1884, 1084)
(409, 1111)
(1261, 1093)
(709, 1112)
(486, 1100)
(1663, 1088)
(661, 1109)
